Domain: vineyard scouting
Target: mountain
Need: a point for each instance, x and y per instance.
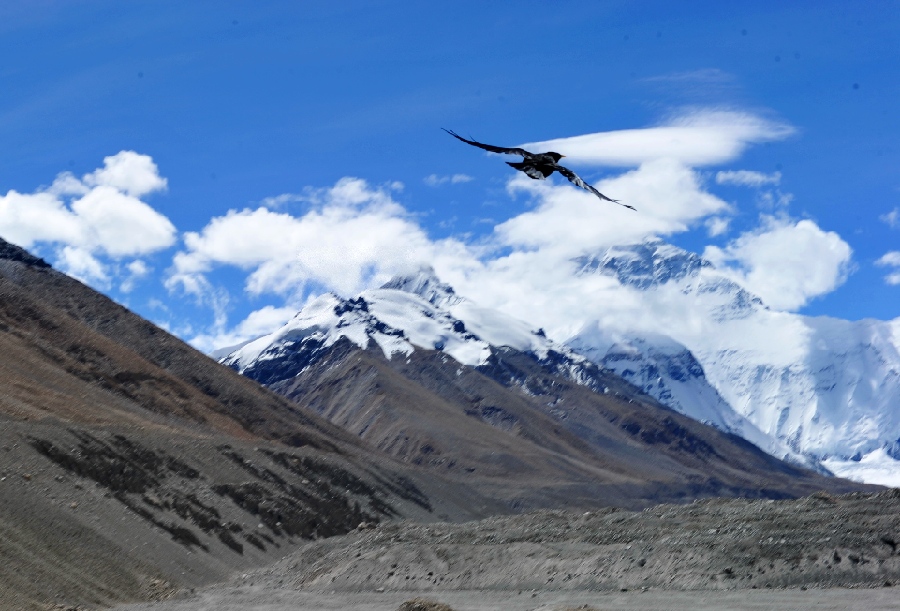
(825, 388)
(669, 372)
(134, 466)
(437, 381)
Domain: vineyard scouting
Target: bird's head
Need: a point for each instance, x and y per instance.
(556, 156)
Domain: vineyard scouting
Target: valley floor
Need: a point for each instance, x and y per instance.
(264, 598)
(820, 552)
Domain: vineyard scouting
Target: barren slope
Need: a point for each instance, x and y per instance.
(521, 433)
(132, 465)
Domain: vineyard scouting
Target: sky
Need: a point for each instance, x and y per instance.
(214, 165)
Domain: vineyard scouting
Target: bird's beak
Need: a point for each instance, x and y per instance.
(561, 156)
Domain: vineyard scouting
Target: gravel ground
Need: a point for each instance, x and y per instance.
(259, 598)
(821, 552)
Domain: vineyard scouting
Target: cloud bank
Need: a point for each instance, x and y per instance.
(353, 236)
(785, 262)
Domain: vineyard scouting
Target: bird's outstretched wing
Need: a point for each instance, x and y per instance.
(490, 147)
(575, 179)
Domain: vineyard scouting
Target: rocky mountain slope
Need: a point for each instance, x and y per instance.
(131, 465)
(825, 388)
(437, 381)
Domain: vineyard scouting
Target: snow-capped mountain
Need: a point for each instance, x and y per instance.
(410, 312)
(817, 391)
(829, 389)
(420, 311)
(406, 313)
(436, 380)
(667, 370)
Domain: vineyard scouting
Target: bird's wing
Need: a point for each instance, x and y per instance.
(490, 147)
(576, 180)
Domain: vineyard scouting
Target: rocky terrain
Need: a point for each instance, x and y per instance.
(797, 550)
(818, 541)
(132, 466)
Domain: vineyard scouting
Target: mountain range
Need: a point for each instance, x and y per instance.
(436, 380)
(815, 391)
(133, 466)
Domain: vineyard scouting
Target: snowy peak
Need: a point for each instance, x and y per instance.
(644, 265)
(655, 265)
(427, 285)
(396, 321)
(407, 314)
(826, 389)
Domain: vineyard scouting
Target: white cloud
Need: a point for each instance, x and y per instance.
(353, 235)
(716, 226)
(786, 263)
(96, 217)
(121, 225)
(774, 200)
(82, 265)
(103, 216)
(129, 172)
(891, 259)
(699, 138)
(892, 218)
(747, 178)
(137, 270)
(26, 219)
(280, 201)
(668, 197)
(433, 180)
(256, 324)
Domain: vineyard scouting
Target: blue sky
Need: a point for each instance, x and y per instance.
(268, 110)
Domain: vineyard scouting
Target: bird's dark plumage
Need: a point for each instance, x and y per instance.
(538, 165)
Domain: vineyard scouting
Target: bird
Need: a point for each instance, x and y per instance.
(538, 165)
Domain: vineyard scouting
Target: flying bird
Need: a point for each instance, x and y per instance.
(538, 165)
